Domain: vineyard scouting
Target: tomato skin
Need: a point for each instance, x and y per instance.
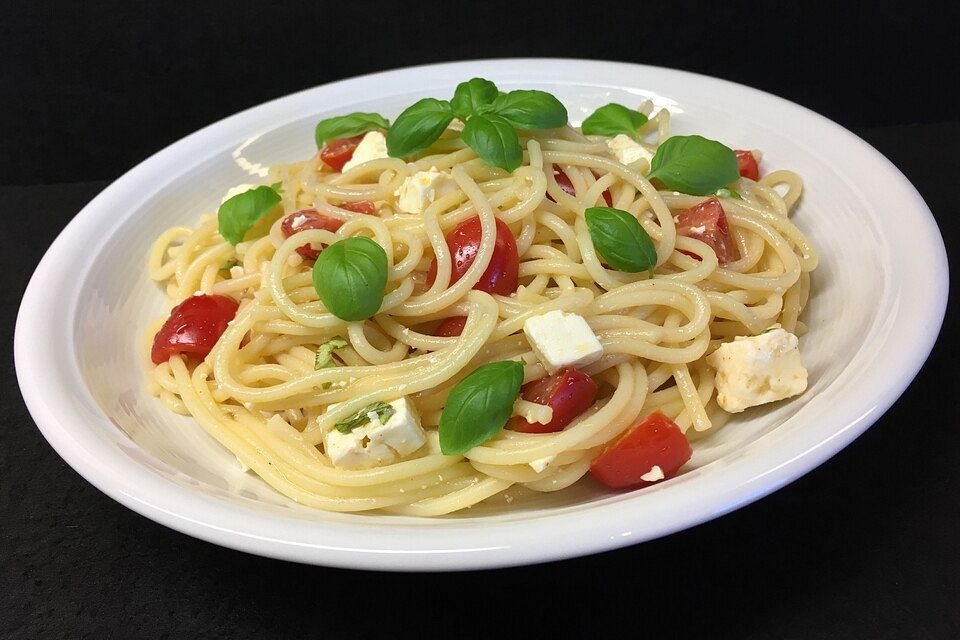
(564, 183)
(193, 327)
(748, 164)
(655, 440)
(451, 327)
(569, 392)
(503, 273)
(337, 153)
(716, 232)
(314, 220)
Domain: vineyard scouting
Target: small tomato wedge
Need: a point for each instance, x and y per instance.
(193, 327)
(451, 327)
(337, 153)
(633, 460)
(563, 181)
(748, 164)
(569, 392)
(503, 273)
(707, 223)
(307, 219)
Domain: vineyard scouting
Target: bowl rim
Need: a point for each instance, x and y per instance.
(449, 544)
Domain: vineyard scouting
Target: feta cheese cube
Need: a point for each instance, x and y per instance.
(562, 339)
(758, 369)
(421, 189)
(372, 147)
(375, 443)
(540, 464)
(627, 150)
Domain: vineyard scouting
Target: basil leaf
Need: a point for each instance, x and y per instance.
(324, 357)
(530, 109)
(418, 127)
(613, 119)
(694, 165)
(494, 140)
(238, 214)
(349, 277)
(724, 192)
(479, 406)
(348, 126)
(470, 96)
(620, 239)
(360, 418)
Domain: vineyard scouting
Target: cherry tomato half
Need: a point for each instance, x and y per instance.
(707, 222)
(451, 327)
(563, 181)
(193, 327)
(502, 274)
(306, 219)
(337, 153)
(748, 164)
(654, 441)
(569, 392)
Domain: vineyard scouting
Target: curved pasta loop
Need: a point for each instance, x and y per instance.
(260, 395)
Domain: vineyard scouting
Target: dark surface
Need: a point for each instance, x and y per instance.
(866, 546)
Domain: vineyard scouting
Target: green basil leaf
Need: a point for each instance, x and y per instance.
(530, 109)
(349, 277)
(360, 418)
(694, 165)
(348, 126)
(418, 127)
(724, 192)
(479, 406)
(494, 140)
(471, 96)
(620, 239)
(324, 357)
(238, 214)
(613, 119)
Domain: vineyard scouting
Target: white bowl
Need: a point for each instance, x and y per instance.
(877, 305)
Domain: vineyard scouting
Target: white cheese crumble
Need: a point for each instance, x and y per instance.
(758, 369)
(421, 189)
(372, 147)
(377, 443)
(655, 473)
(297, 221)
(540, 464)
(562, 339)
(236, 271)
(627, 150)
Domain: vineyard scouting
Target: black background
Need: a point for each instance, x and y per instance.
(865, 546)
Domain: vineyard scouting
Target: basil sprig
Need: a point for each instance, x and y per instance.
(360, 418)
(479, 406)
(418, 127)
(613, 119)
(238, 214)
(694, 165)
(497, 115)
(349, 277)
(620, 239)
(324, 357)
(347, 126)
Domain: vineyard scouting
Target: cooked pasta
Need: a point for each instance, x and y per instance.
(260, 394)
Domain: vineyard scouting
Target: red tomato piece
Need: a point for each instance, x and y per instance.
(706, 222)
(337, 153)
(654, 441)
(306, 219)
(502, 274)
(451, 327)
(563, 181)
(748, 164)
(569, 392)
(193, 327)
